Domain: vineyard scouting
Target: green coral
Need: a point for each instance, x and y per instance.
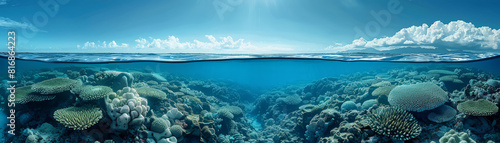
(394, 123)
(384, 90)
(53, 86)
(78, 118)
(418, 97)
(177, 130)
(151, 93)
(226, 114)
(195, 99)
(25, 95)
(235, 110)
(95, 92)
(480, 107)
(456, 137)
(443, 72)
(451, 78)
(159, 125)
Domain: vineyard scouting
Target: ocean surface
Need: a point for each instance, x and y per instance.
(252, 97)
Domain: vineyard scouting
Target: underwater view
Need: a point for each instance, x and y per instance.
(249, 71)
(254, 100)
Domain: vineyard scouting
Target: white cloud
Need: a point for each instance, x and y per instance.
(8, 23)
(173, 44)
(456, 35)
(221, 45)
(95, 45)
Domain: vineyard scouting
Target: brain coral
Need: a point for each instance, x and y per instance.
(394, 123)
(442, 114)
(177, 130)
(159, 125)
(480, 107)
(151, 93)
(417, 97)
(235, 110)
(290, 100)
(78, 118)
(53, 86)
(95, 92)
(25, 95)
(454, 137)
(384, 90)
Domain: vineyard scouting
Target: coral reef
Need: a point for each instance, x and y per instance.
(78, 118)
(418, 97)
(53, 86)
(442, 114)
(480, 107)
(405, 104)
(127, 111)
(94, 92)
(453, 137)
(151, 93)
(394, 122)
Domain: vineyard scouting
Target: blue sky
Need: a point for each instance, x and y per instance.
(251, 26)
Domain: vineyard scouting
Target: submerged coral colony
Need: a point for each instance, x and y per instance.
(75, 104)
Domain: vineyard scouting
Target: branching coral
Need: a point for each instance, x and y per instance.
(78, 118)
(394, 123)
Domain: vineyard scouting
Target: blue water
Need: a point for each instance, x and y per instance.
(263, 78)
(255, 71)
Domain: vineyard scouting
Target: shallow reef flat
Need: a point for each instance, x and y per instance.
(109, 104)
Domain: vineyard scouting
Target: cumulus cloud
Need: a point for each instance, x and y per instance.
(8, 23)
(104, 44)
(456, 35)
(221, 44)
(174, 43)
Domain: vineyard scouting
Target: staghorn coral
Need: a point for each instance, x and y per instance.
(95, 92)
(151, 93)
(418, 97)
(394, 123)
(480, 107)
(78, 118)
(53, 86)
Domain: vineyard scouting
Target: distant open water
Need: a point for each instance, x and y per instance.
(185, 57)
